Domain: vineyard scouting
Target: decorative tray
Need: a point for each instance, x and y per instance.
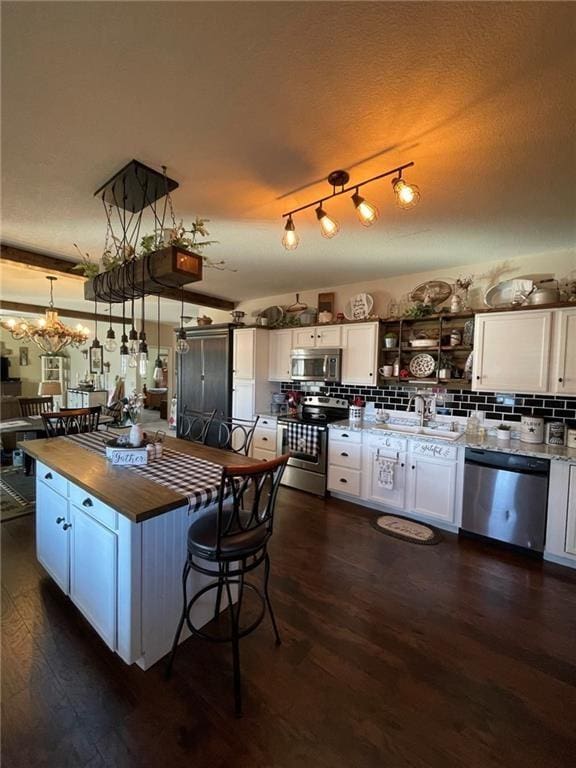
(125, 455)
(432, 293)
(424, 343)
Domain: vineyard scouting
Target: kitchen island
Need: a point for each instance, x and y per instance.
(114, 540)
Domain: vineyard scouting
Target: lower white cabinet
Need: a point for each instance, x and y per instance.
(52, 541)
(81, 556)
(264, 440)
(79, 398)
(344, 467)
(379, 451)
(94, 572)
(570, 546)
(432, 484)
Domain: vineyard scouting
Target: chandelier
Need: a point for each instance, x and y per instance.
(407, 196)
(48, 332)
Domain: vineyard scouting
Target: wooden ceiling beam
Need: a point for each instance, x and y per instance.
(54, 264)
(37, 309)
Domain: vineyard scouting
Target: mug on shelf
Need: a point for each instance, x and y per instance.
(386, 370)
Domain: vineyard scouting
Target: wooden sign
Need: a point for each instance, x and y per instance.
(326, 302)
(128, 457)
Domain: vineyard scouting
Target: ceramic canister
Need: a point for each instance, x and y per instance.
(532, 429)
(571, 437)
(554, 433)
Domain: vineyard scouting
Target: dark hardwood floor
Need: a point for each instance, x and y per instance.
(393, 655)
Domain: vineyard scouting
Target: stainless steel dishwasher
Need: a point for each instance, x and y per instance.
(506, 497)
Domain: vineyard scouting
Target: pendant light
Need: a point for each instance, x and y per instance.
(367, 213)
(132, 334)
(290, 240)
(110, 344)
(182, 346)
(143, 346)
(96, 342)
(328, 227)
(158, 373)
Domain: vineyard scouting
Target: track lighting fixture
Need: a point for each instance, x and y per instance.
(407, 196)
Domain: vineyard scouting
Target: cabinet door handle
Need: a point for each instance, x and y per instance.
(343, 480)
(66, 526)
(87, 503)
(477, 378)
(60, 520)
(344, 435)
(560, 379)
(343, 453)
(413, 467)
(402, 464)
(264, 422)
(264, 439)
(48, 476)
(369, 374)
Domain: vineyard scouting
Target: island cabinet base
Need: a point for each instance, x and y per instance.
(124, 577)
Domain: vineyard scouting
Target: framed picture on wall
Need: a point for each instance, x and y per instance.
(24, 356)
(96, 360)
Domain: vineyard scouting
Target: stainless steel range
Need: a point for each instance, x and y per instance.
(305, 438)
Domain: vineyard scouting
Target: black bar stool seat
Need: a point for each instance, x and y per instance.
(203, 540)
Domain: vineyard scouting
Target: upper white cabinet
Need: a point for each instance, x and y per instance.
(244, 353)
(512, 351)
(360, 353)
(318, 336)
(563, 375)
(280, 343)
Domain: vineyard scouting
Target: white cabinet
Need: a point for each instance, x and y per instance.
(376, 453)
(55, 368)
(264, 440)
(432, 486)
(344, 466)
(512, 351)
(79, 552)
(563, 375)
(570, 546)
(317, 336)
(251, 390)
(360, 353)
(79, 398)
(94, 573)
(280, 346)
(52, 541)
(244, 353)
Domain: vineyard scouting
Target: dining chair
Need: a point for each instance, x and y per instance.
(34, 406)
(68, 422)
(194, 425)
(93, 419)
(227, 544)
(236, 434)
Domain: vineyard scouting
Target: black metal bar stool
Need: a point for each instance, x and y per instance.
(229, 543)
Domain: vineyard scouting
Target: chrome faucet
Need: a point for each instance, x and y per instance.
(419, 407)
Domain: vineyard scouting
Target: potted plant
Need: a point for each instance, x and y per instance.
(444, 367)
(390, 340)
(503, 433)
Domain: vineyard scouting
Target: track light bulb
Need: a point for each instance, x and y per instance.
(290, 240)
(182, 345)
(407, 195)
(328, 227)
(367, 213)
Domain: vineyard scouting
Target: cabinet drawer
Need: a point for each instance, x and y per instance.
(346, 435)
(93, 507)
(265, 439)
(344, 480)
(267, 422)
(51, 478)
(345, 455)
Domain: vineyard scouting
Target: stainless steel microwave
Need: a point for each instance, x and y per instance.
(315, 365)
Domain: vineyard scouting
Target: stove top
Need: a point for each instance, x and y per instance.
(318, 409)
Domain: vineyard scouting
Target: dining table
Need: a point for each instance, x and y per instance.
(114, 538)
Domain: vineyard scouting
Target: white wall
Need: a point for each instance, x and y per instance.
(383, 291)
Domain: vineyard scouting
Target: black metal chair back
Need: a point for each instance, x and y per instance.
(194, 425)
(34, 406)
(236, 434)
(70, 422)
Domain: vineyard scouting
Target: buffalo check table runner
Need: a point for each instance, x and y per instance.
(303, 438)
(196, 479)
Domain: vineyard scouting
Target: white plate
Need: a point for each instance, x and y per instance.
(424, 343)
(359, 307)
(422, 365)
(508, 292)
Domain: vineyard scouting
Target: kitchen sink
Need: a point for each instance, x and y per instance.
(440, 434)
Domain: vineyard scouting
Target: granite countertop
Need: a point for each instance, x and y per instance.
(489, 442)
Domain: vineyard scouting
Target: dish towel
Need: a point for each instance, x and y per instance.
(303, 438)
(385, 473)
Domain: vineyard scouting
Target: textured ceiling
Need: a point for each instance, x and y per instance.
(251, 105)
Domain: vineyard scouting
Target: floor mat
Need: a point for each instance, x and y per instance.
(17, 493)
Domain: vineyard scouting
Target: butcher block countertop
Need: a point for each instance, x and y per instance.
(121, 488)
